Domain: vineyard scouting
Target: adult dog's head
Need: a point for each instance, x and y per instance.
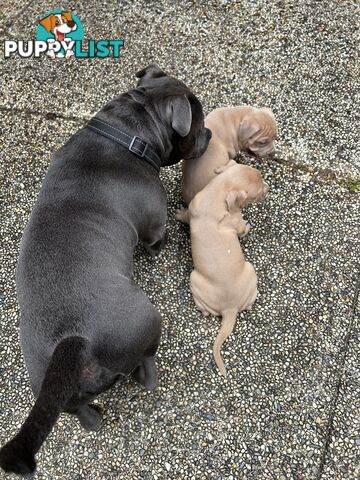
(257, 132)
(178, 110)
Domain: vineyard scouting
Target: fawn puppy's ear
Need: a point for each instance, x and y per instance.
(235, 200)
(249, 127)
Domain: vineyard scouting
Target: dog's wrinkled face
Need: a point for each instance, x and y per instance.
(180, 111)
(257, 132)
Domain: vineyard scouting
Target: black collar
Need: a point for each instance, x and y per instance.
(134, 144)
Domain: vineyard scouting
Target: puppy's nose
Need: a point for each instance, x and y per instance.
(71, 23)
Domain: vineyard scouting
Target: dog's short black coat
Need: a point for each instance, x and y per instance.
(84, 323)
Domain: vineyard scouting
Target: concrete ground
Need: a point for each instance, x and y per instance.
(290, 407)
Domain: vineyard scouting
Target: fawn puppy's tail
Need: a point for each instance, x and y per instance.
(227, 326)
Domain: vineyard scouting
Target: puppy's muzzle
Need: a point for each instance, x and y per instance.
(269, 153)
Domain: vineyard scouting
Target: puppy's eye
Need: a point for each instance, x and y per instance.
(57, 22)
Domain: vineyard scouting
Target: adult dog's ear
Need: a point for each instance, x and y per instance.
(249, 127)
(235, 199)
(152, 70)
(180, 115)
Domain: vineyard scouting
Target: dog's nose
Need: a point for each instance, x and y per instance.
(71, 23)
(208, 133)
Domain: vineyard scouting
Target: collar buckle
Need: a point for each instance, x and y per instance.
(135, 148)
(135, 145)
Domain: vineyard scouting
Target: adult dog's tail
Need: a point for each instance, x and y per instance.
(227, 326)
(60, 383)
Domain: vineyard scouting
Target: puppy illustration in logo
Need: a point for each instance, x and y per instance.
(59, 24)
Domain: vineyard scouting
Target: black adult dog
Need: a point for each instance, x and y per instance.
(84, 323)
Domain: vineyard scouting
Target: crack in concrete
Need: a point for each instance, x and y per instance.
(46, 115)
(344, 352)
(325, 174)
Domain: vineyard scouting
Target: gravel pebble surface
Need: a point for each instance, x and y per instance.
(289, 409)
(344, 433)
(299, 58)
